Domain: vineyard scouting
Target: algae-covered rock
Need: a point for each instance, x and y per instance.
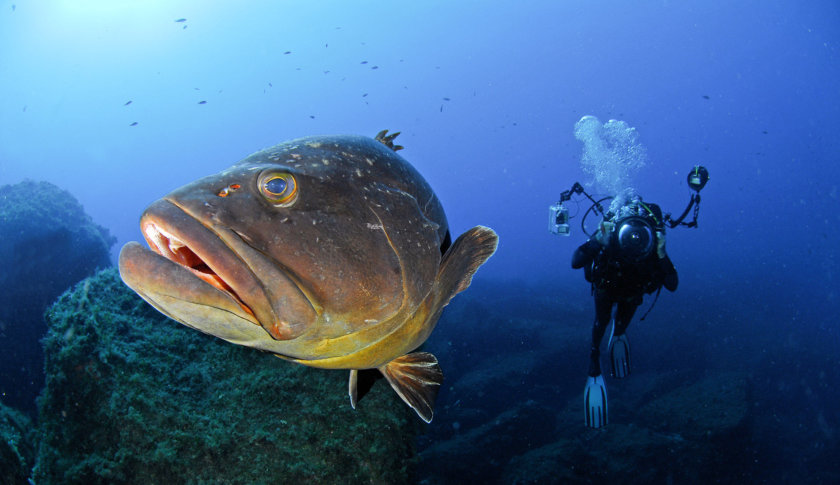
(708, 409)
(685, 436)
(477, 455)
(17, 451)
(133, 397)
(48, 244)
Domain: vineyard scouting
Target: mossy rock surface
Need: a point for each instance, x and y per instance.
(133, 397)
(48, 244)
(17, 450)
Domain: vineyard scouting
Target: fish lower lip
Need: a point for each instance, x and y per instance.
(177, 251)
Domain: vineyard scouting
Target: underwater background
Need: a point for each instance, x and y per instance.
(105, 106)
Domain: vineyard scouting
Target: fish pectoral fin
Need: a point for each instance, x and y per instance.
(417, 378)
(463, 259)
(361, 380)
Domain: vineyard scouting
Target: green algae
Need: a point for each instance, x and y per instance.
(17, 451)
(48, 243)
(133, 397)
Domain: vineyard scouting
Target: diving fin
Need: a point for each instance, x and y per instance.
(620, 355)
(595, 402)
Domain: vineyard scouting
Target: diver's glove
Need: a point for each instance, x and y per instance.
(660, 244)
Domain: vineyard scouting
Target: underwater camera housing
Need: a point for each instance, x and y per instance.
(558, 219)
(635, 238)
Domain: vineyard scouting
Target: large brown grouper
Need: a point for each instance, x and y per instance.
(329, 251)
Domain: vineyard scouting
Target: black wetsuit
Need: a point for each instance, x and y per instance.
(616, 281)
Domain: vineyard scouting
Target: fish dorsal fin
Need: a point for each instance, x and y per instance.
(388, 140)
(416, 378)
(462, 259)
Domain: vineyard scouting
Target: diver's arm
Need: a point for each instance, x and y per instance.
(585, 256)
(670, 280)
(585, 253)
(666, 267)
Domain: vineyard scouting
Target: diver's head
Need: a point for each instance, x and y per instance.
(624, 201)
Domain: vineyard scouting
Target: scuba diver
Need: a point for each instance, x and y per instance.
(624, 259)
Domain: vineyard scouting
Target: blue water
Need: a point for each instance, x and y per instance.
(486, 95)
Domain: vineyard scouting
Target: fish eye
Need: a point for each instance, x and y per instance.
(279, 188)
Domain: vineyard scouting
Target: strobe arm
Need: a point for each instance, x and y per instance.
(697, 179)
(577, 188)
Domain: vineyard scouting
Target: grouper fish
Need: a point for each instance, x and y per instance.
(329, 251)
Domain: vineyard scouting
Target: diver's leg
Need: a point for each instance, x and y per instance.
(603, 313)
(595, 392)
(624, 314)
(619, 345)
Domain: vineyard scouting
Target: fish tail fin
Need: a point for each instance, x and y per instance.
(462, 260)
(416, 377)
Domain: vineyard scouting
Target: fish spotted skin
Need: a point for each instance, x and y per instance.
(329, 251)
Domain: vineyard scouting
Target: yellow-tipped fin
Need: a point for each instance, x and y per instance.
(416, 378)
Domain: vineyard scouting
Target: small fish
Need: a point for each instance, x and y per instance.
(705, 97)
(446, 99)
(202, 102)
(441, 108)
(180, 20)
(365, 95)
(312, 116)
(184, 27)
(375, 67)
(287, 52)
(269, 85)
(363, 62)
(127, 103)
(764, 131)
(133, 124)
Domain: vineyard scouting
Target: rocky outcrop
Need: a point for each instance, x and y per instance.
(17, 447)
(48, 244)
(133, 397)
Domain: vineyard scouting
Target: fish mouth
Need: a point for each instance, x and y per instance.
(175, 249)
(194, 247)
(207, 276)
